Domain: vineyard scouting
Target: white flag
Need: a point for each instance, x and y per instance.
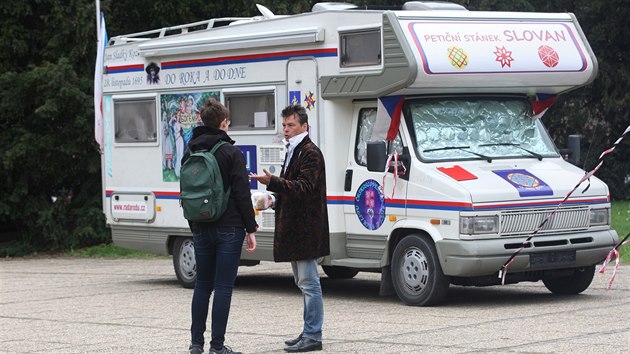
(98, 84)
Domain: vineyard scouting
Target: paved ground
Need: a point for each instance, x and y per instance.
(62, 305)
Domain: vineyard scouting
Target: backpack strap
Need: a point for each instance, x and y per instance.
(214, 149)
(217, 146)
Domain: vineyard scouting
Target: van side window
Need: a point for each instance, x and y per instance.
(366, 133)
(251, 110)
(360, 48)
(135, 120)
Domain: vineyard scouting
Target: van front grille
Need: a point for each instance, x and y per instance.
(524, 222)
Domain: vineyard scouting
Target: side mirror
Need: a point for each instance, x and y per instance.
(376, 156)
(572, 152)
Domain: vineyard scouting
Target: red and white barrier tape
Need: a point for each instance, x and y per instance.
(614, 253)
(504, 268)
(391, 158)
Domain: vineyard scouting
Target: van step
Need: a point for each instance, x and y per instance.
(357, 263)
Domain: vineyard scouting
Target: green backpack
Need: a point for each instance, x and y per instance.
(201, 186)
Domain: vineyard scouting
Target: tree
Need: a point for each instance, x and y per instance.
(599, 112)
(50, 166)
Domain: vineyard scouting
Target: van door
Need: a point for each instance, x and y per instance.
(302, 89)
(374, 200)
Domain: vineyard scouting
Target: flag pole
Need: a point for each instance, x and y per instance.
(98, 46)
(98, 21)
(101, 42)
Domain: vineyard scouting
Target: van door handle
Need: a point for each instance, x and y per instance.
(347, 186)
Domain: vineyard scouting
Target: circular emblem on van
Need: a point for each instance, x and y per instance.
(369, 204)
(458, 57)
(523, 180)
(548, 56)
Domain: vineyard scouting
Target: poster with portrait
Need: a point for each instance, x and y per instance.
(179, 114)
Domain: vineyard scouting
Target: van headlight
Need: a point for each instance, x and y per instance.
(600, 217)
(475, 225)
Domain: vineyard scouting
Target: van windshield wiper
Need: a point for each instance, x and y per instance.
(462, 148)
(537, 155)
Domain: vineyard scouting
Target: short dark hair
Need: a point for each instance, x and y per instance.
(297, 110)
(213, 113)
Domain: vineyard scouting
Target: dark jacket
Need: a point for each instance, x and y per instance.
(301, 212)
(239, 212)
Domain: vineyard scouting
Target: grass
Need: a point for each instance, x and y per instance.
(620, 215)
(109, 251)
(15, 249)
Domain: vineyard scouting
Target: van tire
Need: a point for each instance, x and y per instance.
(572, 284)
(416, 272)
(336, 272)
(184, 261)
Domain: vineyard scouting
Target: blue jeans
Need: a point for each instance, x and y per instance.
(217, 255)
(307, 279)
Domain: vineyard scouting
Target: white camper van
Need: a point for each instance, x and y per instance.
(438, 164)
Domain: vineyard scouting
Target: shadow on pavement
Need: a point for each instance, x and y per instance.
(368, 290)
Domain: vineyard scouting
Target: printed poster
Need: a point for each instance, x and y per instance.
(179, 114)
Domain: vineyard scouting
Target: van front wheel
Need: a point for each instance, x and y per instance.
(184, 261)
(416, 272)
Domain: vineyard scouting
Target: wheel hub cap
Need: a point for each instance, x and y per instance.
(415, 271)
(187, 262)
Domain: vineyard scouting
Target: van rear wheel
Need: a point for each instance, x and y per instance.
(416, 272)
(336, 272)
(572, 284)
(184, 261)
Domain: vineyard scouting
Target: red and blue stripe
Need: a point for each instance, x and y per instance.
(124, 69)
(427, 204)
(227, 60)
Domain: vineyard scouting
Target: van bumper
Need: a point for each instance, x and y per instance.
(469, 258)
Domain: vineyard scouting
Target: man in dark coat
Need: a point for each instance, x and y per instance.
(301, 233)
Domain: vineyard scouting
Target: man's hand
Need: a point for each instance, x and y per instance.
(251, 242)
(264, 179)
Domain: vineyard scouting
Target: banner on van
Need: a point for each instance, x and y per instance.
(525, 183)
(179, 115)
(456, 47)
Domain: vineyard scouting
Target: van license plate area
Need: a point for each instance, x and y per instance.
(551, 259)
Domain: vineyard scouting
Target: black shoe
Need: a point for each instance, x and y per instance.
(195, 349)
(304, 345)
(225, 350)
(290, 342)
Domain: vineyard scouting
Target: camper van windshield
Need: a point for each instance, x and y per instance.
(478, 128)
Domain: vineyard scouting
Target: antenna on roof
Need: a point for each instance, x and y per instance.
(267, 14)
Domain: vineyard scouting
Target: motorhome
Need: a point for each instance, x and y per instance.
(438, 164)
